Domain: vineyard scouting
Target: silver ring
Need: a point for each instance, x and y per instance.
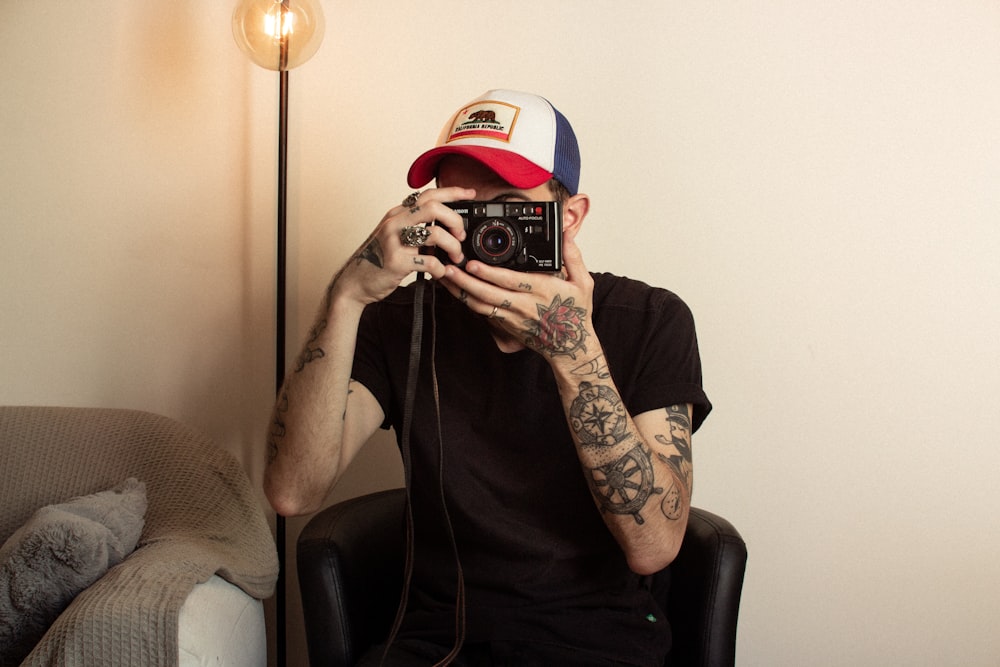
(494, 313)
(411, 199)
(415, 236)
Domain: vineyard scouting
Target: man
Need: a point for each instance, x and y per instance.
(550, 448)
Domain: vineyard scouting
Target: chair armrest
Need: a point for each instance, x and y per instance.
(350, 565)
(706, 581)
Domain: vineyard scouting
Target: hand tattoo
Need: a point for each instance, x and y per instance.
(559, 329)
(372, 252)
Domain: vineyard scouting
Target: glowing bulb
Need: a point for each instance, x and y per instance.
(278, 34)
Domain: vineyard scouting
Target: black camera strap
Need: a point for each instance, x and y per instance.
(413, 372)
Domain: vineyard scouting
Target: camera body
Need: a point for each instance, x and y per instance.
(516, 235)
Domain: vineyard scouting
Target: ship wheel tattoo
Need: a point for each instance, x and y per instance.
(623, 487)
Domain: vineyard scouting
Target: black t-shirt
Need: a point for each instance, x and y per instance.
(539, 564)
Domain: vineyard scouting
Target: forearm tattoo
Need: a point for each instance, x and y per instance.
(596, 366)
(676, 453)
(597, 416)
(311, 351)
(622, 484)
(350, 390)
(559, 328)
(277, 431)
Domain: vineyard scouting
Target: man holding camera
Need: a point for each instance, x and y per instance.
(549, 432)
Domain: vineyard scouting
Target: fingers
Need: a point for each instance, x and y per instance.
(479, 288)
(573, 270)
(421, 222)
(427, 207)
(471, 292)
(482, 287)
(506, 279)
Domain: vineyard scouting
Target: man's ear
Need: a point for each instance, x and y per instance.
(575, 209)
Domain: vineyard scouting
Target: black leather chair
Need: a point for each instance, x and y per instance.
(350, 565)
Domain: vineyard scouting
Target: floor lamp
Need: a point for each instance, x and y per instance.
(279, 35)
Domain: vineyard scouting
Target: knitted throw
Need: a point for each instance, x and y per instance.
(203, 519)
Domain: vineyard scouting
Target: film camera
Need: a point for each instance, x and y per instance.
(517, 235)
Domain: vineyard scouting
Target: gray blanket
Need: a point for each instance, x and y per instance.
(203, 518)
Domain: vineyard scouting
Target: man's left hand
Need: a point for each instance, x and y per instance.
(547, 312)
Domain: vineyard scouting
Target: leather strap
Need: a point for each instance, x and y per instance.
(413, 371)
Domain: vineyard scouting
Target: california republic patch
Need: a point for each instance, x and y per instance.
(488, 119)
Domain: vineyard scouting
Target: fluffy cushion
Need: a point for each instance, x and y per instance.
(60, 551)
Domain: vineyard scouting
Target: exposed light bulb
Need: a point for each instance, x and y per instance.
(278, 34)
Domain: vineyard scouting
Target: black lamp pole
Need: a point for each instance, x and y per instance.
(279, 333)
(282, 236)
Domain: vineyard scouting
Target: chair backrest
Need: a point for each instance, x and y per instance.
(350, 562)
(705, 583)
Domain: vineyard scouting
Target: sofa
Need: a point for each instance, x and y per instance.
(187, 546)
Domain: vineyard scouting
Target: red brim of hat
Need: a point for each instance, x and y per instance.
(511, 167)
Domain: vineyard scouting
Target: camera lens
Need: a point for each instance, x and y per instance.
(495, 242)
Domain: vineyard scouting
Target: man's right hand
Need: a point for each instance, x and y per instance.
(383, 261)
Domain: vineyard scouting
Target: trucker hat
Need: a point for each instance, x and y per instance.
(520, 136)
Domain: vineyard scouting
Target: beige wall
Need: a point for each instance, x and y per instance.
(820, 181)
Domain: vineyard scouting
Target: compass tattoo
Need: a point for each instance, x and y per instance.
(597, 415)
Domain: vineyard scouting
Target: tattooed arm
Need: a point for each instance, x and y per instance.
(322, 418)
(639, 470)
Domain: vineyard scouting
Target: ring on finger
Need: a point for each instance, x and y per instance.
(494, 313)
(414, 236)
